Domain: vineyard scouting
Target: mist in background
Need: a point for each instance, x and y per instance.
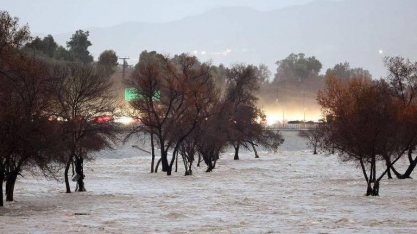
(53, 17)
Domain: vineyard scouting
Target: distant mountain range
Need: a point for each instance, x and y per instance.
(361, 32)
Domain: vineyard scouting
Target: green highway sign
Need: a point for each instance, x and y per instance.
(132, 94)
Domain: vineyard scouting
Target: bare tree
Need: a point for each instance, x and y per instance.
(313, 138)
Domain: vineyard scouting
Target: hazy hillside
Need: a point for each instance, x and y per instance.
(349, 30)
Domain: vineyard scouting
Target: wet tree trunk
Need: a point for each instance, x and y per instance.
(236, 152)
(391, 167)
(411, 166)
(373, 183)
(407, 174)
(174, 156)
(199, 159)
(369, 189)
(187, 164)
(209, 165)
(190, 170)
(157, 165)
(388, 164)
(80, 171)
(410, 169)
(164, 160)
(207, 160)
(375, 190)
(152, 152)
(176, 163)
(254, 150)
(11, 181)
(1, 185)
(67, 184)
(215, 158)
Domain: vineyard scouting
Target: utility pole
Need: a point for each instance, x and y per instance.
(124, 65)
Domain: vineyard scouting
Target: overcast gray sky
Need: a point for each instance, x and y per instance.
(58, 16)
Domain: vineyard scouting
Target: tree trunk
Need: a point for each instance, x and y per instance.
(254, 150)
(169, 171)
(157, 165)
(190, 171)
(215, 158)
(1, 187)
(164, 160)
(199, 159)
(391, 167)
(171, 164)
(67, 184)
(388, 171)
(315, 149)
(407, 174)
(236, 152)
(176, 163)
(369, 189)
(364, 170)
(375, 190)
(11, 181)
(187, 164)
(411, 166)
(207, 160)
(80, 171)
(152, 152)
(209, 166)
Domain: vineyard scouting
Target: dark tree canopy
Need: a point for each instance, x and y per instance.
(296, 68)
(263, 73)
(344, 71)
(46, 46)
(78, 45)
(12, 35)
(108, 60)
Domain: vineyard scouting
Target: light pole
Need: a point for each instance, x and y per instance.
(124, 65)
(304, 121)
(304, 108)
(283, 116)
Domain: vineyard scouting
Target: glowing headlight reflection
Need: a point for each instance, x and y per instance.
(124, 120)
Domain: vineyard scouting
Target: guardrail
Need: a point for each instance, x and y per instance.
(292, 127)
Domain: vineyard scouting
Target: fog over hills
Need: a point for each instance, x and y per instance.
(360, 32)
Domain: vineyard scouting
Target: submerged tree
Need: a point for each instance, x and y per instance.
(362, 126)
(12, 37)
(172, 98)
(402, 78)
(313, 137)
(28, 139)
(81, 94)
(240, 106)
